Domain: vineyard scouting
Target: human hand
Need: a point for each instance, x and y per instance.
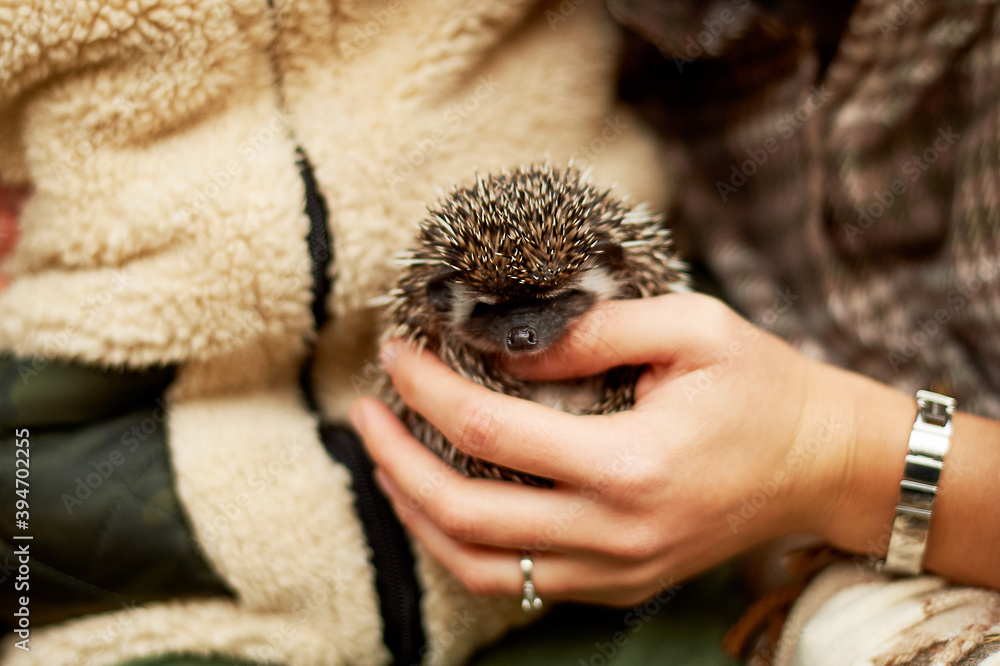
(735, 438)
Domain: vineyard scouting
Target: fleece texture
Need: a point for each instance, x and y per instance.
(851, 615)
(164, 181)
(394, 116)
(165, 225)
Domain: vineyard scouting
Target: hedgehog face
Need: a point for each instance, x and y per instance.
(521, 318)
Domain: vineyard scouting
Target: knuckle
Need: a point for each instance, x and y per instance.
(626, 480)
(637, 480)
(717, 320)
(478, 432)
(637, 544)
(457, 522)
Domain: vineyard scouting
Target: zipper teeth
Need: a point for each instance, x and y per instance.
(391, 555)
(383, 541)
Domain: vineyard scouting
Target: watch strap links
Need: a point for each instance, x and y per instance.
(926, 450)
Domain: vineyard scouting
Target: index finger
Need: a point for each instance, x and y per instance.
(502, 429)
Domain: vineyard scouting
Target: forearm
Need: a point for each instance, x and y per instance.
(964, 537)
(964, 540)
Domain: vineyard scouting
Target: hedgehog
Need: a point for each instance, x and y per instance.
(505, 268)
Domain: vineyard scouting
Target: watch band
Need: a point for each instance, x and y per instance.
(929, 441)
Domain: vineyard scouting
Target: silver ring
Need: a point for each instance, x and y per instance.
(530, 601)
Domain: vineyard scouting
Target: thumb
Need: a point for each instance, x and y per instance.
(635, 332)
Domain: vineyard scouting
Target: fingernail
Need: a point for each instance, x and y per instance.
(387, 355)
(357, 416)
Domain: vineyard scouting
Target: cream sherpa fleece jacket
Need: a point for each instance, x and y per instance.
(166, 225)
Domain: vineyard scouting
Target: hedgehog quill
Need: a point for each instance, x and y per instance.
(506, 267)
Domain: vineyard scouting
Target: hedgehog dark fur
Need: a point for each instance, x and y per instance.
(506, 267)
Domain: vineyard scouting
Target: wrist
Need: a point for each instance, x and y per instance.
(858, 481)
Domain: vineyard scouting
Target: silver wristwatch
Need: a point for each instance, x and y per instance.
(928, 445)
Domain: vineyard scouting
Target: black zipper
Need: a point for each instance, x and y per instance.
(320, 250)
(391, 554)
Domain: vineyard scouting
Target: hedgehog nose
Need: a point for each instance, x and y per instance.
(521, 337)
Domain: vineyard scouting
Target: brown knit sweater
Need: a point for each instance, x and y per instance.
(842, 176)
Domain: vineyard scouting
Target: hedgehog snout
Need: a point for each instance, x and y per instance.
(521, 338)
